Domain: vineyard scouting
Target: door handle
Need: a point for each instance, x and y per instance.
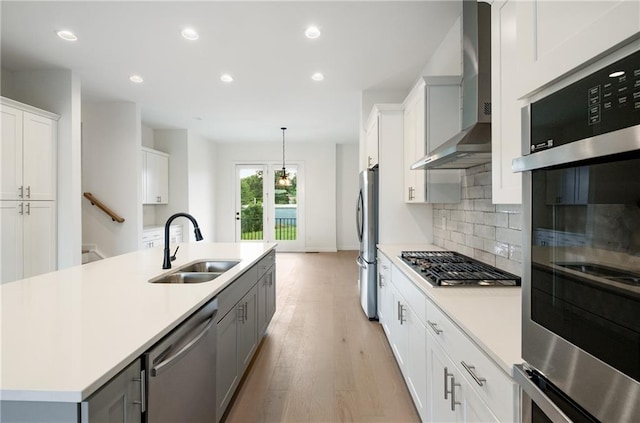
(165, 364)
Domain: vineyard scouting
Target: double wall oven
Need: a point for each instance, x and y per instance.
(581, 248)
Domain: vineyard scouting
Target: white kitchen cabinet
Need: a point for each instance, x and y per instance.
(155, 177)
(506, 122)
(385, 298)
(120, 400)
(491, 392)
(432, 113)
(556, 37)
(27, 152)
(155, 237)
(450, 395)
(372, 140)
(408, 337)
(28, 234)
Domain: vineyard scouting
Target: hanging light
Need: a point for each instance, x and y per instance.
(283, 180)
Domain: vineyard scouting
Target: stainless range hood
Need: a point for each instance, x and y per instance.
(472, 146)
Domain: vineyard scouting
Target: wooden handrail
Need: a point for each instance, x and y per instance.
(95, 202)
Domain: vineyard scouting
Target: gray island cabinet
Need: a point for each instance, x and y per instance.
(246, 301)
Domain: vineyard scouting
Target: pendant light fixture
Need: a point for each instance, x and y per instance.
(284, 180)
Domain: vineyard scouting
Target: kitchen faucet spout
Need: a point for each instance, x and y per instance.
(167, 254)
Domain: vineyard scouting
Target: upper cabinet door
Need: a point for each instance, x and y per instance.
(555, 37)
(505, 127)
(39, 153)
(11, 154)
(155, 177)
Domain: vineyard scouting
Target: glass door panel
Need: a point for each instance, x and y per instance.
(250, 210)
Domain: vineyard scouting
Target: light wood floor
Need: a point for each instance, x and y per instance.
(322, 359)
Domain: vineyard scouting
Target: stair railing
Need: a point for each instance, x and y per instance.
(95, 202)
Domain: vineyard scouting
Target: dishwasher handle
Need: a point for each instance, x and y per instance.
(165, 364)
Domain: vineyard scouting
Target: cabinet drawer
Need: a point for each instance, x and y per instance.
(492, 385)
(233, 293)
(266, 262)
(411, 294)
(384, 267)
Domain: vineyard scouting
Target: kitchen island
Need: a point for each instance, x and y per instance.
(66, 333)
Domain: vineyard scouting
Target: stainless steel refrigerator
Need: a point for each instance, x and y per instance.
(367, 226)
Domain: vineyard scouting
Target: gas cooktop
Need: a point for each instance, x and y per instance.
(448, 268)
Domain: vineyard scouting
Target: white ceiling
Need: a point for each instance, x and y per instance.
(379, 45)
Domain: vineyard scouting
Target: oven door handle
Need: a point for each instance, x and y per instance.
(542, 401)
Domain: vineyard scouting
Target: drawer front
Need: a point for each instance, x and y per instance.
(492, 385)
(233, 293)
(266, 262)
(384, 267)
(411, 294)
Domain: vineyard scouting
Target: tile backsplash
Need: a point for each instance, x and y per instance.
(476, 227)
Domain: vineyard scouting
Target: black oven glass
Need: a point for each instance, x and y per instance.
(585, 257)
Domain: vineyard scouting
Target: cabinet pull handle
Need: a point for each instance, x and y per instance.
(435, 327)
(402, 319)
(240, 311)
(21, 189)
(446, 382)
(21, 212)
(28, 191)
(158, 199)
(28, 211)
(472, 371)
(246, 311)
(381, 280)
(454, 385)
(142, 403)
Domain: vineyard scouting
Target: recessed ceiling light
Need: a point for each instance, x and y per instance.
(616, 74)
(136, 78)
(312, 32)
(67, 35)
(317, 76)
(226, 78)
(190, 34)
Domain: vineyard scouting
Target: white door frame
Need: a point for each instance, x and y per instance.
(270, 166)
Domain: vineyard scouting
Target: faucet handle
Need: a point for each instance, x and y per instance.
(173, 257)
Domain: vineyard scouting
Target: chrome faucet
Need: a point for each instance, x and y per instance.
(167, 255)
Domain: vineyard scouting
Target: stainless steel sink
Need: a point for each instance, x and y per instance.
(198, 272)
(216, 266)
(186, 277)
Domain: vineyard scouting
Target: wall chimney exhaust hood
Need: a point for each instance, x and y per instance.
(472, 146)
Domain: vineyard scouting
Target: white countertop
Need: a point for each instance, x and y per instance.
(66, 333)
(491, 317)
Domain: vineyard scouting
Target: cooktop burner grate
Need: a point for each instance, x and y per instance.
(448, 268)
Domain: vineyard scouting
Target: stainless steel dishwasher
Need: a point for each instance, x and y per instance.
(181, 371)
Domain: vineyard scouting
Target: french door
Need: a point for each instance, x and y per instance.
(267, 211)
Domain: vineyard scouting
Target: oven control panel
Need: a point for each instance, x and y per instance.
(602, 102)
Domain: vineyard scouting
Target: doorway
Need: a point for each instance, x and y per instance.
(266, 211)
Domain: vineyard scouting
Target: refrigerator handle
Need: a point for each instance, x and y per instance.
(359, 216)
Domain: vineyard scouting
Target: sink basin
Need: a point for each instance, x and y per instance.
(198, 272)
(186, 277)
(207, 266)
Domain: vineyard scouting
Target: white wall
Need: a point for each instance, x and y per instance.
(111, 170)
(201, 155)
(319, 162)
(174, 143)
(346, 194)
(447, 59)
(191, 180)
(58, 91)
